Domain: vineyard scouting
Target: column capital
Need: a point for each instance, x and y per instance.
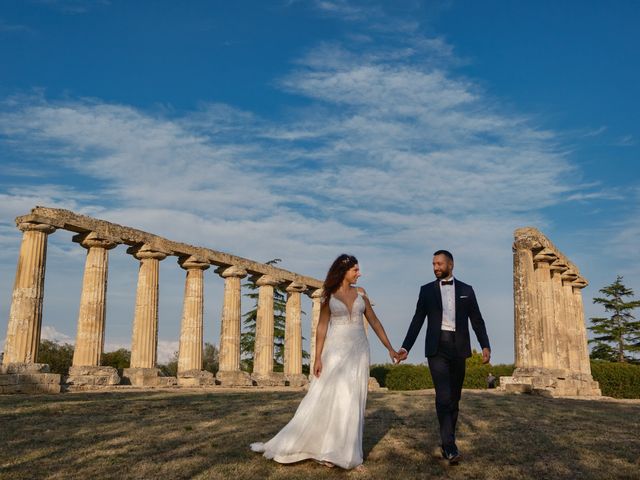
(579, 283)
(146, 251)
(267, 280)
(317, 294)
(192, 262)
(92, 239)
(559, 266)
(232, 271)
(296, 287)
(37, 227)
(569, 275)
(544, 257)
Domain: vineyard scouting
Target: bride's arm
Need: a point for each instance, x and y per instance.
(376, 325)
(321, 333)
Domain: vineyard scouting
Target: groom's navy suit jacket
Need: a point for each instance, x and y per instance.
(430, 306)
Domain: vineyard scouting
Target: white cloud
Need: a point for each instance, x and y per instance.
(50, 333)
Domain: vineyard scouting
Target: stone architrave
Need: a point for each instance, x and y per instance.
(144, 341)
(293, 337)
(263, 373)
(551, 350)
(190, 370)
(229, 373)
(316, 298)
(19, 372)
(86, 371)
(542, 262)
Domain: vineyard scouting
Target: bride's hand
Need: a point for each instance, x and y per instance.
(394, 355)
(317, 368)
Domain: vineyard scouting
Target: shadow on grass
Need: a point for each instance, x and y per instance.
(174, 435)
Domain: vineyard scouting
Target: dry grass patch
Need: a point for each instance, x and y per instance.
(205, 435)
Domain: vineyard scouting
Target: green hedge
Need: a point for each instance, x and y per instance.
(416, 377)
(619, 380)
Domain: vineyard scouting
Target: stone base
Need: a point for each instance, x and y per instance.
(234, 379)
(195, 378)
(375, 386)
(28, 378)
(296, 380)
(268, 379)
(91, 377)
(146, 377)
(571, 385)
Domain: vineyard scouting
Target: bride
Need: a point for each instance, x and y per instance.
(327, 427)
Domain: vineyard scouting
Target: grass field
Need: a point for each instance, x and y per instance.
(205, 435)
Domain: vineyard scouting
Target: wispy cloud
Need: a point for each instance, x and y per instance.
(625, 141)
(13, 28)
(73, 7)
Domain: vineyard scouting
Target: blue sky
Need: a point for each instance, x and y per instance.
(304, 129)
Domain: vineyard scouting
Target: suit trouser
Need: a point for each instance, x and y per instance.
(447, 370)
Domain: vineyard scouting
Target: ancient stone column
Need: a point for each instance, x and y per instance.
(543, 260)
(293, 337)
(144, 341)
(191, 336)
(263, 354)
(585, 363)
(559, 315)
(573, 343)
(527, 329)
(86, 370)
(25, 317)
(90, 335)
(316, 298)
(229, 373)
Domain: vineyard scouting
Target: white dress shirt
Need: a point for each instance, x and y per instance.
(448, 293)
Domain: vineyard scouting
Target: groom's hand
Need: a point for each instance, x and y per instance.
(402, 355)
(486, 355)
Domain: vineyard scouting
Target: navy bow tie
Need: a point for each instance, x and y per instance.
(444, 282)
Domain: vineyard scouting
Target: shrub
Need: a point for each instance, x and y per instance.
(619, 380)
(379, 372)
(408, 377)
(118, 359)
(476, 375)
(58, 357)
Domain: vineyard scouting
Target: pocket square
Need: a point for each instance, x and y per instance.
(464, 296)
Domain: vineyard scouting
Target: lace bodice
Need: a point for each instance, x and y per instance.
(340, 314)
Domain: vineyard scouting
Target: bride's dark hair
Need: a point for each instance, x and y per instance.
(335, 275)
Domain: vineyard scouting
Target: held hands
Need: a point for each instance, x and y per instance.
(486, 355)
(402, 355)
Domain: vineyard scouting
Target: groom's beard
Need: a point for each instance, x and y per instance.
(443, 274)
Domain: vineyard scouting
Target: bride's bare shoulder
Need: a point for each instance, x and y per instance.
(362, 291)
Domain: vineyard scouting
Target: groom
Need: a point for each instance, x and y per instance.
(448, 304)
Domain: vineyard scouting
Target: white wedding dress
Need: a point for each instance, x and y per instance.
(327, 426)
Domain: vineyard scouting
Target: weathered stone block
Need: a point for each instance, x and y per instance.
(268, 379)
(234, 379)
(297, 380)
(19, 368)
(193, 378)
(92, 376)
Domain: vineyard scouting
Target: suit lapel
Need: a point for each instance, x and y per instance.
(438, 297)
(456, 291)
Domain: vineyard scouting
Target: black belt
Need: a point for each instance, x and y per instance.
(447, 336)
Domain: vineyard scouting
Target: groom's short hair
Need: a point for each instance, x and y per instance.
(446, 253)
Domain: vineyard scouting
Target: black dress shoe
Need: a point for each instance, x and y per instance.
(451, 455)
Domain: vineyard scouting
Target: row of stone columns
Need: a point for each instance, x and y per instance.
(23, 334)
(551, 350)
